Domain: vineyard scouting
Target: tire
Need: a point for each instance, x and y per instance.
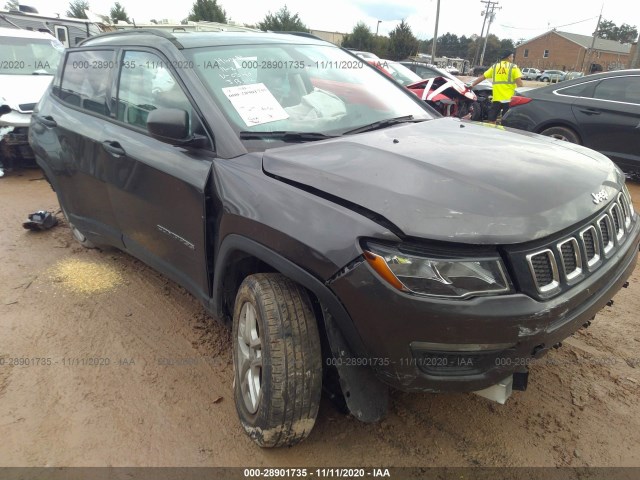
(476, 111)
(545, 80)
(277, 360)
(562, 133)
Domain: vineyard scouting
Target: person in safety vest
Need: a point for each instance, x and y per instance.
(505, 76)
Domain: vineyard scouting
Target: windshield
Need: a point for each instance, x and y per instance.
(298, 88)
(400, 73)
(27, 56)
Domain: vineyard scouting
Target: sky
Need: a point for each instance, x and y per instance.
(515, 19)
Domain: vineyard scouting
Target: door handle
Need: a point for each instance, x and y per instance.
(589, 111)
(48, 121)
(113, 148)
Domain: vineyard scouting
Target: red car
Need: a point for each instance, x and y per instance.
(447, 94)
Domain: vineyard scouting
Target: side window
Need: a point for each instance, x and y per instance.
(146, 83)
(621, 89)
(632, 90)
(580, 90)
(85, 80)
(61, 34)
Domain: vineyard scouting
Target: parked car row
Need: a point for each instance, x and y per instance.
(552, 76)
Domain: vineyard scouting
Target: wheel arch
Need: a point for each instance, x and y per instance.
(560, 123)
(239, 256)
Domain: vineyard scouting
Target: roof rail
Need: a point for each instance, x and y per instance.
(147, 31)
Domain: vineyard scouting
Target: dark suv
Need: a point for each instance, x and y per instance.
(335, 219)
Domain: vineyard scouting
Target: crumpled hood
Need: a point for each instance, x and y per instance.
(19, 90)
(452, 180)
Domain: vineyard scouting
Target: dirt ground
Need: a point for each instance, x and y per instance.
(159, 390)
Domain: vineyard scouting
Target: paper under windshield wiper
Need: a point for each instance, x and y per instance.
(286, 136)
(384, 124)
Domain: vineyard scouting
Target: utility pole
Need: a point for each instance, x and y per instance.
(484, 21)
(635, 61)
(492, 6)
(435, 36)
(593, 43)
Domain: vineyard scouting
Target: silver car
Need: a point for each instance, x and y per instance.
(552, 76)
(530, 73)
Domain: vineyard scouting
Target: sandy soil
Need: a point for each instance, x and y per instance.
(582, 407)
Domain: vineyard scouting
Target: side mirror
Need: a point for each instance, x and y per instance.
(4, 109)
(170, 125)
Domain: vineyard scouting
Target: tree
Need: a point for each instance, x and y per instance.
(624, 33)
(207, 11)
(360, 38)
(77, 8)
(282, 21)
(118, 13)
(381, 46)
(402, 42)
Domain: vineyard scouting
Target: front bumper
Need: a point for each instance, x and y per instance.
(424, 344)
(14, 147)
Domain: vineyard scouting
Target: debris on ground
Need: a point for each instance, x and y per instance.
(40, 220)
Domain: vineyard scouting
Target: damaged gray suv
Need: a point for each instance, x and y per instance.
(332, 217)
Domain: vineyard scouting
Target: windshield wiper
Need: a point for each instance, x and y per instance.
(384, 124)
(286, 136)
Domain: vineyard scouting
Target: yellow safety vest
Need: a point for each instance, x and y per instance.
(503, 75)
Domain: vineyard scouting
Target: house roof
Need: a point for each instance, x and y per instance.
(601, 43)
(585, 42)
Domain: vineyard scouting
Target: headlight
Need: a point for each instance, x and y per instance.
(438, 277)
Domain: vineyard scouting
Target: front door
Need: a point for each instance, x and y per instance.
(158, 190)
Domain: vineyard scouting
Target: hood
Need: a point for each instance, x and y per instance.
(452, 180)
(25, 90)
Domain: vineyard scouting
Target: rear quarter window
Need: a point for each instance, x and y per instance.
(85, 80)
(580, 90)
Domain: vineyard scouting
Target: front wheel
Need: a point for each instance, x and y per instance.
(277, 360)
(476, 111)
(562, 133)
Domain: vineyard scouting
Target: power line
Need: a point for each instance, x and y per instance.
(543, 28)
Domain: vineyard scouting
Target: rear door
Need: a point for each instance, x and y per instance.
(158, 190)
(610, 120)
(70, 127)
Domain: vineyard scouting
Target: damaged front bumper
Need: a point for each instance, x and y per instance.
(14, 142)
(426, 344)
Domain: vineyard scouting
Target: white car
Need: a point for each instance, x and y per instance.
(530, 73)
(365, 55)
(28, 62)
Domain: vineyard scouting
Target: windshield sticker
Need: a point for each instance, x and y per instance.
(255, 104)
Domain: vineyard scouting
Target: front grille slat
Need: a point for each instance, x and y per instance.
(591, 246)
(544, 269)
(604, 229)
(616, 216)
(581, 253)
(571, 258)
